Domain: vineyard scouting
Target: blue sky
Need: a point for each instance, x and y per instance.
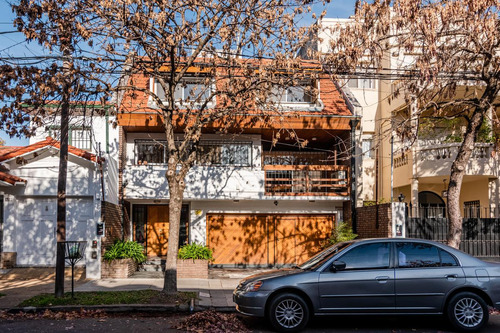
(13, 44)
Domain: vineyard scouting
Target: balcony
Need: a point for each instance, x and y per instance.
(304, 174)
(436, 160)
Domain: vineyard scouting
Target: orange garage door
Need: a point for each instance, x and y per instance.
(266, 239)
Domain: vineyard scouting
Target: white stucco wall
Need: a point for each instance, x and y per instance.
(30, 210)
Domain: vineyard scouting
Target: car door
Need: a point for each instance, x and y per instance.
(366, 285)
(425, 274)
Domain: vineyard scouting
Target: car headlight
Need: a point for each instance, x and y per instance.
(253, 286)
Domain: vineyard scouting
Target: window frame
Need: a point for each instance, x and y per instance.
(182, 85)
(280, 95)
(55, 132)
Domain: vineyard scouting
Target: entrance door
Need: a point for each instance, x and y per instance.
(157, 230)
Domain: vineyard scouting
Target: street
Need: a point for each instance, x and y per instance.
(164, 323)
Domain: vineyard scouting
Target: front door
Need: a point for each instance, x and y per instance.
(365, 285)
(157, 230)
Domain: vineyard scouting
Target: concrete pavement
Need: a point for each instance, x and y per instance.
(19, 284)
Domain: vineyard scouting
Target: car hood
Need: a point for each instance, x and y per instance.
(270, 274)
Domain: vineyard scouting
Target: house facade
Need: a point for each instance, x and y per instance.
(416, 172)
(28, 194)
(254, 201)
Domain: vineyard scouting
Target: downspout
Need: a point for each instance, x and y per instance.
(354, 123)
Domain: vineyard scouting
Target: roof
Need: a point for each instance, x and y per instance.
(48, 142)
(136, 101)
(10, 179)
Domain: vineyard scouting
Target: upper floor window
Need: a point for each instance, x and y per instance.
(367, 147)
(361, 83)
(190, 89)
(301, 93)
(209, 153)
(78, 136)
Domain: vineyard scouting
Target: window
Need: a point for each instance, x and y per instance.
(209, 153)
(417, 255)
(367, 256)
(78, 136)
(361, 83)
(368, 151)
(192, 89)
(302, 93)
(472, 209)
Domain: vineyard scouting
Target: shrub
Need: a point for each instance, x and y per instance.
(343, 232)
(195, 251)
(125, 249)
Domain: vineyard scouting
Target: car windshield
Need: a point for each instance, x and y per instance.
(324, 255)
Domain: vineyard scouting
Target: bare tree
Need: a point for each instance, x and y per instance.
(448, 67)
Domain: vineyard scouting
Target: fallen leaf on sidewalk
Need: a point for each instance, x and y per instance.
(212, 322)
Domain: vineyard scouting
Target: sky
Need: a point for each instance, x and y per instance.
(13, 44)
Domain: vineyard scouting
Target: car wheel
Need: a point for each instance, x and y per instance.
(288, 313)
(467, 312)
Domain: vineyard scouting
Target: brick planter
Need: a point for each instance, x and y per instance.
(192, 269)
(118, 268)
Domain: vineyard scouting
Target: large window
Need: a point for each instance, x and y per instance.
(301, 93)
(192, 89)
(361, 83)
(78, 136)
(209, 153)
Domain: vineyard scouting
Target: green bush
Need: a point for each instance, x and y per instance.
(195, 251)
(124, 250)
(343, 232)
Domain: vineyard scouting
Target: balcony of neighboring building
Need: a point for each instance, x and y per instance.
(435, 160)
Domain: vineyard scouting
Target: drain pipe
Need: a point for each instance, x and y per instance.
(354, 123)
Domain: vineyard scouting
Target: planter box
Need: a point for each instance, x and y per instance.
(192, 269)
(118, 268)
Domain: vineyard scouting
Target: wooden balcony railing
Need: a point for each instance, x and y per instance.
(307, 180)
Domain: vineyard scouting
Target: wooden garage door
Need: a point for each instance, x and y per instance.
(266, 239)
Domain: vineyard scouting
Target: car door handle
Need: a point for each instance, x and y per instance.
(382, 279)
(451, 276)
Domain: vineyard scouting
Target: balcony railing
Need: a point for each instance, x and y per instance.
(308, 174)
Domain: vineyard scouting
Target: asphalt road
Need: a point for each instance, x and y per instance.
(161, 323)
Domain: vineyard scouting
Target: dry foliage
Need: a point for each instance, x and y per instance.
(212, 322)
(47, 314)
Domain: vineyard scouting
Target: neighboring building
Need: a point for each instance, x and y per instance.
(253, 203)
(28, 190)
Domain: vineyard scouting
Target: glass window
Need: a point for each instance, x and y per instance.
(367, 256)
(78, 136)
(190, 89)
(298, 94)
(447, 259)
(368, 151)
(415, 255)
(150, 152)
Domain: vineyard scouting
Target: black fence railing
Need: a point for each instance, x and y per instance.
(469, 211)
(480, 236)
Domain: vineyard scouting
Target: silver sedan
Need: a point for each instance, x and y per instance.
(376, 276)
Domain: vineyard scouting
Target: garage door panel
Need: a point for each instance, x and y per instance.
(266, 240)
(238, 239)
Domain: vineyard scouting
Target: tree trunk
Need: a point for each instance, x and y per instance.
(456, 177)
(176, 190)
(61, 188)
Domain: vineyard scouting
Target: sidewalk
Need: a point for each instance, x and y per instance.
(19, 284)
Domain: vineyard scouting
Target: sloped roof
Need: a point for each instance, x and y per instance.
(19, 151)
(136, 101)
(10, 179)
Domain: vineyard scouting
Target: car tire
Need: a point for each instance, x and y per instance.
(288, 313)
(467, 312)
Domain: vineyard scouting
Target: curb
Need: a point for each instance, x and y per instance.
(123, 308)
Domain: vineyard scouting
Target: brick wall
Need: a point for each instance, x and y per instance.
(118, 269)
(192, 269)
(110, 214)
(369, 227)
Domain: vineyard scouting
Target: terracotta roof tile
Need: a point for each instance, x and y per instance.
(19, 151)
(11, 179)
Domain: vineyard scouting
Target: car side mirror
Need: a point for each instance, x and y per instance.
(337, 266)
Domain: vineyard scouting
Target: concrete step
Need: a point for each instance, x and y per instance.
(152, 265)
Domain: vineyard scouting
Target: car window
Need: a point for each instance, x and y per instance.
(414, 255)
(447, 259)
(367, 256)
(325, 255)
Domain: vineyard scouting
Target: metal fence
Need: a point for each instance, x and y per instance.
(480, 236)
